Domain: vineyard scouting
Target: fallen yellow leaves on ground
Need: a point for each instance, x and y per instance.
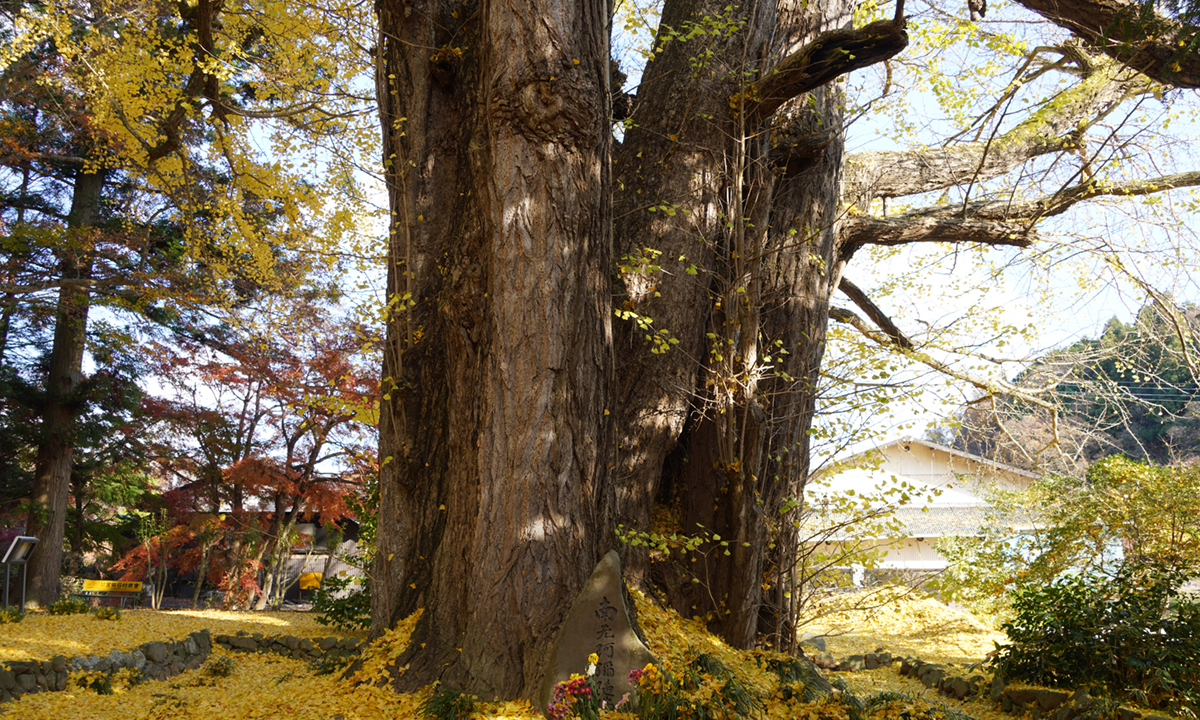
(41, 636)
(904, 624)
(869, 682)
(269, 686)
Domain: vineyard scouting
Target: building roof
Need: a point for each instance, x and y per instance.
(868, 455)
(944, 501)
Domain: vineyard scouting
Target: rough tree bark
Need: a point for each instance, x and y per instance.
(52, 472)
(1132, 33)
(495, 503)
(733, 217)
(498, 364)
(706, 426)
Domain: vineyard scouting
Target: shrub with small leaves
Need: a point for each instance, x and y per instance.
(1132, 636)
(890, 704)
(449, 704)
(95, 680)
(707, 690)
(108, 613)
(219, 667)
(329, 664)
(69, 606)
(344, 602)
(10, 615)
(798, 678)
(126, 678)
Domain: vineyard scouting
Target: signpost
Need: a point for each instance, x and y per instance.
(17, 553)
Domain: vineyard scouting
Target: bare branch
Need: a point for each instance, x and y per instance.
(1055, 203)
(883, 339)
(873, 311)
(19, 159)
(66, 282)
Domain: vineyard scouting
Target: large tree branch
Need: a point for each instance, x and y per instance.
(1057, 126)
(29, 202)
(821, 61)
(1132, 33)
(203, 16)
(908, 228)
(993, 211)
(99, 285)
(19, 159)
(877, 315)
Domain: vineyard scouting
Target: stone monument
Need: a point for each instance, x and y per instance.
(599, 623)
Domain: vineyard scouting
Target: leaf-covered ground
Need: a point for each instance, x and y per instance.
(41, 636)
(270, 686)
(905, 624)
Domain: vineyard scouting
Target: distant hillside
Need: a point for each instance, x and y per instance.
(1133, 391)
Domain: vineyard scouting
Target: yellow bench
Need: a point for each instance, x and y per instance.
(123, 590)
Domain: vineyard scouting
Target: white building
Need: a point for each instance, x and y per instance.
(947, 489)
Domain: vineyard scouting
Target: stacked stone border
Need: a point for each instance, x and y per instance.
(159, 660)
(295, 647)
(154, 660)
(1035, 703)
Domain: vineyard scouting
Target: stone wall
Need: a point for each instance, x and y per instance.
(961, 684)
(159, 660)
(153, 660)
(299, 648)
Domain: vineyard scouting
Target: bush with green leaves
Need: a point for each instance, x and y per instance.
(448, 704)
(69, 606)
(331, 664)
(108, 613)
(10, 615)
(1065, 524)
(219, 667)
(705, 690)
(1131, 636)
(348, 611)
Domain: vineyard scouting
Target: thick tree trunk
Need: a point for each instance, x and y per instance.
(728, 257)
(495, 423)
(718, 425)
(52, 472)
(729, 245)
(201, 572)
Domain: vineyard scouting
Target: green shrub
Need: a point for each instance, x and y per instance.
(1130, 636)
(351, 612)
(69, 606)
(329, 664)
(219, 667)
(96, 680)
(890, 703)
(705, 690)
(10, 615)
(449, 704)
(798, 679)
(108, 613)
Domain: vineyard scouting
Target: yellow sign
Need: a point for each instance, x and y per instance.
(111, 586)
(310, 581)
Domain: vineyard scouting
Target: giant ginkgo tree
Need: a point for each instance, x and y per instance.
(580, 327)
